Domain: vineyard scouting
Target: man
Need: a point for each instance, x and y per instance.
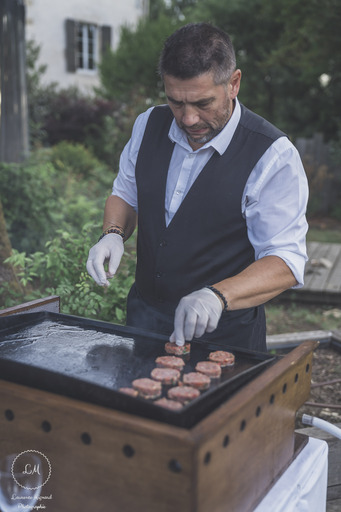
(221, 196)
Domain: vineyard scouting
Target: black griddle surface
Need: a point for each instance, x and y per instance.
(90, 360)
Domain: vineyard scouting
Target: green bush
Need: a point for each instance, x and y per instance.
(60, 188)
(61, 271)
(29, 202)
(53, 205)
(72, 160)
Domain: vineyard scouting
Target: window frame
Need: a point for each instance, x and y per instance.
(101, 43)
(86, 47)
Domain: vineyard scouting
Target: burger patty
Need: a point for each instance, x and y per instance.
(167, 376)
(169, 404)
(177, 350)
(197, 380)
(222, 357)
(183, 394)
(209, 368)
(147, 388)
(176, 363)
(129, 391)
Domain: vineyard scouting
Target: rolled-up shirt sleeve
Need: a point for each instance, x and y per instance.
(274, 205)
(124, 185)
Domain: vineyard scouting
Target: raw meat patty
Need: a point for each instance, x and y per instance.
(209, 368)
(183, 394)
(222, 357)
(197, 380)
(129, 391)
(177, 350)
(147, 388)
(166, 376)
(176, 363)
(169, 404)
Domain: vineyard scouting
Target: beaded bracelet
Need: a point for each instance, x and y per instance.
(220, 295)
(113, 229)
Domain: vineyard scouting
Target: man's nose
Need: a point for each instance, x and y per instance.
(190, 115)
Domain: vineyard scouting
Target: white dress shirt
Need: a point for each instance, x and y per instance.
(274, 199)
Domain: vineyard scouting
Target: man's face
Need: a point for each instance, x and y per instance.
(201, 108)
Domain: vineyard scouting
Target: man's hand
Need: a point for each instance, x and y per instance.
(110, 248)
(197, 313)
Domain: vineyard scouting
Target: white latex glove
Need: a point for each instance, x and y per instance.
(110, 248)
(197, 313)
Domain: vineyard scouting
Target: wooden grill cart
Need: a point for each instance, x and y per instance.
(105, 459)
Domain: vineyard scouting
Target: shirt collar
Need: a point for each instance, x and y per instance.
(220, 142)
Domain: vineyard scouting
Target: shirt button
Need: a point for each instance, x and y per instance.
(158, 274)
(163, 243)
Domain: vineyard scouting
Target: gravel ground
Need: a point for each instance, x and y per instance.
(326, 369)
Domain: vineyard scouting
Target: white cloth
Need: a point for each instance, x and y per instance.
(274, 199)
(303, 486)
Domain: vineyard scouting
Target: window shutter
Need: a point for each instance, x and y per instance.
(106, 38)
(70, 45)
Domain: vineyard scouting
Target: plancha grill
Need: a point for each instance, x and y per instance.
(108, 451)
(90, 361)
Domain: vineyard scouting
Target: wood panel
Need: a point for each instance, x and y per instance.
(51, 304)
(322, 284)
(319, 278)
(101, 459)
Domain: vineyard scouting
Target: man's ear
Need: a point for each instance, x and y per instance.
(234, 83)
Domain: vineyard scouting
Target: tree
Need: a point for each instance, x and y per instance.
(157, 8)
(283, 49)
(308, 47)
(287, 51)
(39, 97)
(13, 108)
(131, 70)
(13, 112)
(175, 9)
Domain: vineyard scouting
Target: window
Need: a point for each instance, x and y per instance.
(86, 38)
(85, 43)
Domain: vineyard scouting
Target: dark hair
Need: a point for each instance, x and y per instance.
(195, 49)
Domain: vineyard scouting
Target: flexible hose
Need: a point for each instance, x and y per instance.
(322, 424)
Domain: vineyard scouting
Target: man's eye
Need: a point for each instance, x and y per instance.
(175, 104)
(203, 105)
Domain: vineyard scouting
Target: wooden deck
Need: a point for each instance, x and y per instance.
(322, 278)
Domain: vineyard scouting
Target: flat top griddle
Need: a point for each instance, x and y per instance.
(90, 360)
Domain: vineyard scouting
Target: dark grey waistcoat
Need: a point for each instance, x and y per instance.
(206, 241)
